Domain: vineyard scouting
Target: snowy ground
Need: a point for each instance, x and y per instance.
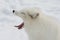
(8, 20)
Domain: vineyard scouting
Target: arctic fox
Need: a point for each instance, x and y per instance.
(38, 25)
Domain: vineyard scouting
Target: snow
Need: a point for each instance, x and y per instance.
(8, 20)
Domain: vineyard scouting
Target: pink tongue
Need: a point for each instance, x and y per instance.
(20, 26)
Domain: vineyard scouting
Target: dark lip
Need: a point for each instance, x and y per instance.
(20, 26)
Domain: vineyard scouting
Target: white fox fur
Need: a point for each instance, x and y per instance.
(38, 25)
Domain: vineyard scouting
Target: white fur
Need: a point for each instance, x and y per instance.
(41, 28)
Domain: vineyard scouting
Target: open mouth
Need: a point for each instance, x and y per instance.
(20, 26)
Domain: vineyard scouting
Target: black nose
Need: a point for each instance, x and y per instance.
(13, 11)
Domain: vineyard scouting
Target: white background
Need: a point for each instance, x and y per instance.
(8, 20)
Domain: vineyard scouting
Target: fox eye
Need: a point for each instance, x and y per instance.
(37, 14)
(23, 13)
